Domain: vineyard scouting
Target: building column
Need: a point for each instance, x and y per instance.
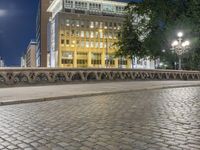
(129, 62)
(116, 63)
(89, 59)
(103, 58)
(75, 59)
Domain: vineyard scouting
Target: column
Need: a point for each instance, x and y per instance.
(89, 59)
(75, 59)
(129, 62)
(116, 63)
(103, 58)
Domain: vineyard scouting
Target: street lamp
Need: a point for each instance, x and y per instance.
(180, 47)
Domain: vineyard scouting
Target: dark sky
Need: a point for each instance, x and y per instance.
(17, 28)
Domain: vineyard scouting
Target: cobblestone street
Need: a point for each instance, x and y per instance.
(151, 119)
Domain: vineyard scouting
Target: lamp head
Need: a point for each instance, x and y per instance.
(175, 43)
(180, 34)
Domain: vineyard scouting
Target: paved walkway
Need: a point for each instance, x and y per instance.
(163, 119)
(42, 93)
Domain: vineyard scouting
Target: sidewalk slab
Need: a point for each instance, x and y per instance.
(17, 95)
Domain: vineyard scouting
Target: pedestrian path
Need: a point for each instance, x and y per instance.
(17, 95)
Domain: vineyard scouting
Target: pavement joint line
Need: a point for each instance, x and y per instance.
(155, 87)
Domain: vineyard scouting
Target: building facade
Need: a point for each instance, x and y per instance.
(31, 54)
(82, 33)
(41, 33)
(2, 64)
(23, 61)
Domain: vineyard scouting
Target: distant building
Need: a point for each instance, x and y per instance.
(23, 61)
(28, 59)
(2, 63)
(31, 54)
(41, 33)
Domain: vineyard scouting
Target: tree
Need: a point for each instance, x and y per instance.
(166, 18)
(129, 41)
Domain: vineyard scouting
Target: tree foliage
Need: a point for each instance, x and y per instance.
(166, 18)
(129, 44)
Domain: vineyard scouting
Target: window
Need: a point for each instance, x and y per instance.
(96, 34)
(67, 42)
(67, 55)
(106, 25)
(62, 41)
(92, 34)
(67, 61)
(77, 33)
(87, 34)
(82, 33)
(101, 25)
(96, 45)
(67, 22)
(82, 24)
(122, 62)
(87, 44)
(91, 24)
(92, 44)
(115, 25)
(82, 44)
(96, 59)
(97, 24)
(101, 44)
(77, 23)
(110, 25)
(68, 33)
(72, 32)
(81, 61)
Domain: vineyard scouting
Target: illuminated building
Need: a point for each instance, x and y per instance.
(82, 33)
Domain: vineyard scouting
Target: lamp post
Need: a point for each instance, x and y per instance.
(180, 47)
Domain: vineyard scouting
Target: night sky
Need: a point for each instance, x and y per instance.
(17, 28)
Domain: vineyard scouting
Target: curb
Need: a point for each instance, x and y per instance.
(15, 102)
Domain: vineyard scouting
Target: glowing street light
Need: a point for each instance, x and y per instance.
(180, 47)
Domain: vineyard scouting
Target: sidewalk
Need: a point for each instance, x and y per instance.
(17, 95)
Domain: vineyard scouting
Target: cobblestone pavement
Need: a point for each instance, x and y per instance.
(155, 119)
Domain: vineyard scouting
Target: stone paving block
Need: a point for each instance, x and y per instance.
(165, 119)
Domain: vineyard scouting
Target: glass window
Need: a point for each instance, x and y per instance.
(68, 55)
(62, 41)
(82, 33)
(92, 44)
(96, 45)
(101, 44)
(82, 44)
(67, 42)
(96, 58)
(67, 61)
(92, 34)
(91, 24)
(97, 24)
(87, 44)
(82, 24)
(77, 33)
(67, 22)
(87, 34)
(77, 23)
(68, 33)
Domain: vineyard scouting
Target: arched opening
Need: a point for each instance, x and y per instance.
(42, 77)
(91, 76)
(76, 77)
(60, 77)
